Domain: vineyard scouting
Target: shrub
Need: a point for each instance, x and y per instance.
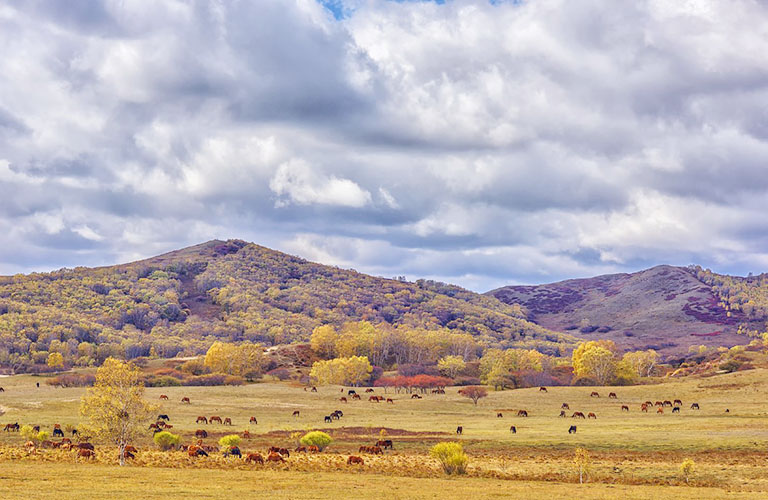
(451, 456)
(72, 380)
(195, 367)
(316, 438)
(687, 469)
(163, 381)
(280, 373)
(234, 380)
(166, 441)
(229, 441)
(206, 380)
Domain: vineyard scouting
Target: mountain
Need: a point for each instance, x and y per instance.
(180, 302)
(666, 308)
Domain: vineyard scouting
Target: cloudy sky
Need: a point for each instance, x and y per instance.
(481, 143)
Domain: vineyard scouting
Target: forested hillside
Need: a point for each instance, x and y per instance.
(181, 302)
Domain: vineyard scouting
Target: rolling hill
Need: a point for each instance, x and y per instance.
(180, 302)
(665, 308)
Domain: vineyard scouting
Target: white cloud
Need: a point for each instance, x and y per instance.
(297, 182)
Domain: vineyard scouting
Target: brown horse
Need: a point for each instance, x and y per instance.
(275, 457)
(592, 415)
(577, 414)
(201, 419)
(542, 389)
(163, 397)
(390, 400)
(343, 400)
(313, 449)
(594, 394)
(612, 396)
(352, 460)
(185, 400)
(522, 413)
(253, 421)
(87, 454)
(624, 408)
(214, 418)
(565, 406)
(296, 413)
(227, 421)
(256, 458)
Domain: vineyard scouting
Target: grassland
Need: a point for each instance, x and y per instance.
(631, 452)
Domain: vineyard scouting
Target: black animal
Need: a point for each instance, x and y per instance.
(351, 392)
(328, 419)
(695, 406)
(459, 430)
(676, 409)
(234, 451)
(513, 429)
(58, 432)
(163, 417)
(572, 429)
(74, 432)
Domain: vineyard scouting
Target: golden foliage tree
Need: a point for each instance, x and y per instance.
(323, 341)
(642, 362)
(352, 370)
(595, 359)
(236, 359)
(450, 366)
(114, 408)
(55, 360)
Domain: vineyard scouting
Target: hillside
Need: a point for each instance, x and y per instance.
(665, 308)
(180, 302)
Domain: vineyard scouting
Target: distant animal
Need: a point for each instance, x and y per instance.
(255, 458)
(58, 432)
(678, 402)
(313, 449)
(338, 413)
(201, 419)
(369, 390)
(649, 403)
(227, 421)
(459, 430)
(253, 420)
(562, 413)
(727, 410)
(659, 403)
(301, 449)
(390, 400)
(296, 413)
(164, 397)
(36, 428)
(644, 407)
(87, 454)
(128, 454)
(3, 390)
(328, 419)
(624, 408)
(246, 435)
(314, 389)
(415, 396)
(676, 409)
(201, 433)
(196, 451)
(214, 418)
(84, 446)
(234, 451)
(660, 410)
(565, 406)
(592, 415)
(343, 400)
(163, 416)
(668, 403)
(351, 392)
(513, 429)
(131, 448)
(275, 457)
(594, 394)
(355, 460)
(36, 383)
(355, 396)
(74, 432)
(542, 389)
(499, 415)
(572, 429)
(612, 395)
(385, 443)
(522, 413)
(695, 406)
(185, 400)
(577, 414)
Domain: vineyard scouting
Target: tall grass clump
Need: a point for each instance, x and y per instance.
(451, 456)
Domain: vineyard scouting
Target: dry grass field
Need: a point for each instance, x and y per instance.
(634, 454)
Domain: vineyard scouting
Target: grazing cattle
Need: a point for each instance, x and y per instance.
(301, 449)
(385, 443)
(594, 394)
(201, 419)
(246, 435)
(695, 406)
(87, 454)
(513, 429)
(343, 400)
(644, 407)
(352, 460)
(572, 429)
(201, 433)
(275, 457)
(592, 415)
(390, 400)
(499, 415)
(565, 406)
(660, 410)
(369, 390)
(314, 389)
(562, 413)
(522, 413)
(624, 408)
(355, 396)
(256, 458)
(459, 430)
(677, 402)
(313, 449)
(577, 414)
(415, 396)
(227, 421)
(163, 416)
(58, 432)
(253, 420)
(542, 389)
(163, 397)
(296, 413)
(351, 392)
(668, 403)
(214, 418)
(676, 409)
(185, 400)
(328, 419)
(612, 395)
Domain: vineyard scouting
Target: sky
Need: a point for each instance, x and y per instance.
(476, 142)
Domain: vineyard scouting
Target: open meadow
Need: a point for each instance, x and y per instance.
(633, 454)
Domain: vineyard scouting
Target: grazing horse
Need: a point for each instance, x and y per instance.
(542, 389)
(253, 421)
(668, 403)
(256, 458)
(328, 419)
(644, 407)
(58, 432)
(314, 389)
(677, 402)
(624, 408)
(201, 433)
(275, 457)
(562, 413)
(659, 403)
(592, 415)
(415, 396)
(185, 400)
(201, 419)
(87, 454)
(565, 406)
(572, 429)
(513, 429)
(84, 446)
(163, 416)
(343, 400)
(351, 392)
(163, 397)
(695, 406)
(313, 449)
(660, 410)
(676, 409)
(499, 415)
(214, 418)
(522, 413)
(352, 460)
(385, 443)
(196, 451)
(390, 400)
(128, 454)
(296, 413)
(577, 414)
(649, 403)
(369, 390)
(234, 451)
(355, 396)
(612, 396)
(227, 421)
(459, 430)
(594, 394)
(3, 390)
(246, 435)
(301, 449)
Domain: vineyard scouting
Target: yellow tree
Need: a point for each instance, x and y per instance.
(323, 341)
(114, 409)
(594, 361)
(352, 370)
(642, 362)
(450, 366)
(55, 360)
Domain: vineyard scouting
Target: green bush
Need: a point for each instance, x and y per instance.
(165, 440)
(451, 457)
(229, 441)
(316, 438)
